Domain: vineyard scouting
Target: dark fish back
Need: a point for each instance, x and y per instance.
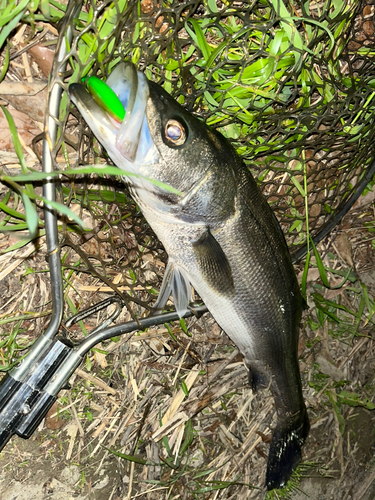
(268, 297)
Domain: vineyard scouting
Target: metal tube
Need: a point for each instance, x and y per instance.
(75, 357)
(131, 326)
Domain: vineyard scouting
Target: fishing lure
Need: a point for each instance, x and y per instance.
(105, 97)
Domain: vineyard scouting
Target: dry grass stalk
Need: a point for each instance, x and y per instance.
(75, 415)
(104, 423)
(72, 432)
(96, 381)
(180, 396)
(9, 267)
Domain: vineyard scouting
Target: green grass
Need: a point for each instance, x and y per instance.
(14, 346)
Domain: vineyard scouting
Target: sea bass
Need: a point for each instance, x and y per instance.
(221, 237)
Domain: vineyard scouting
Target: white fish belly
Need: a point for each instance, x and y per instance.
(177, 240)
(225, 314)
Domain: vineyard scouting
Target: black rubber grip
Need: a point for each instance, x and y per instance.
(24, 403)
(32, 418)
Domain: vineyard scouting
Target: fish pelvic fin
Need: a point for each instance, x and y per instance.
(175, 281)
(285, 450)
(213, 264)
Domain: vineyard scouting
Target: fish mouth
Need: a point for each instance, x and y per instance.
(129, 142)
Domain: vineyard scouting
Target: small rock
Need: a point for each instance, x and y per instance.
(70, 475)
(101, 484)
(197, 458)
(328, 368)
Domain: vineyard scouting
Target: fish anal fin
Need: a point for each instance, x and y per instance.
(165, 289)
(213, 264)
(257, 379)
(285, 450)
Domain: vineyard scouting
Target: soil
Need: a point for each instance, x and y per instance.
(35, 469)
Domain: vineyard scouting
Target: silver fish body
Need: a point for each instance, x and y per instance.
(221, 237)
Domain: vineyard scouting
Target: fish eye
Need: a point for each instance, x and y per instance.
(175, 132)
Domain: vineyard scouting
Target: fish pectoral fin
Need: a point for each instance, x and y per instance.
(175, 281)
(213, 264)
(285, 450)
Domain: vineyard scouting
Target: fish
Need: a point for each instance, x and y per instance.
(221, 236)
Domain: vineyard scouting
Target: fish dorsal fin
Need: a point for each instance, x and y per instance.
(175, 281)
(213, 264)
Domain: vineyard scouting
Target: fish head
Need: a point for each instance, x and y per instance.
(158, 139)
(127, 142)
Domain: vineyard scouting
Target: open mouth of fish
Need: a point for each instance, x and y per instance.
(128, 142)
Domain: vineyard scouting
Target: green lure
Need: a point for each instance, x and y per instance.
(105, 97)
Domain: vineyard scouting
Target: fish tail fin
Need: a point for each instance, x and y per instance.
(285, 450)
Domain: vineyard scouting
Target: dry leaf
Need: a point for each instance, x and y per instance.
(54, 422)
(156, 346)
(21, 88)
(344, 248)
(30, 103)
(328, 368)
(100, 358)
(25, 126)
(363, 201)
(312, 275)
(334, 292)
(43, 57)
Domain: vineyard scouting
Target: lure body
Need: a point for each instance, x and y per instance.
(105, 97)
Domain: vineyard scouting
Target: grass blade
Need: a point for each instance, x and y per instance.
(5, 65)
(305, 273)
(31, 215)
(319, 263)
(17, 146)
(90, 169)
(130, 458)
(201, 39)
(8, 28)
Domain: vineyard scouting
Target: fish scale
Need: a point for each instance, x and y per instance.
(221, 237)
